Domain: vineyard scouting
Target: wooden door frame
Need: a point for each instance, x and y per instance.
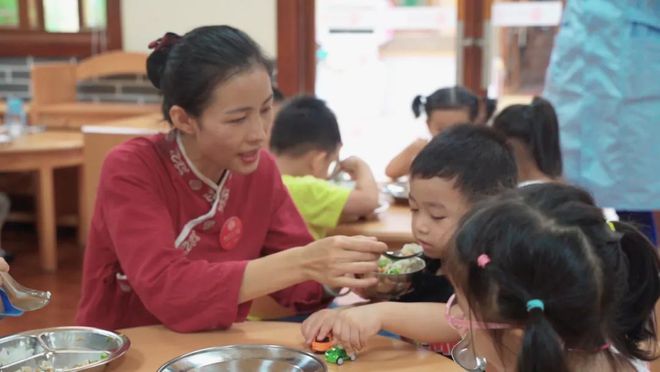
(296, 46)
(473, 57)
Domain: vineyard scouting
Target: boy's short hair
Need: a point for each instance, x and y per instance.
(302, 125)
(479, 160)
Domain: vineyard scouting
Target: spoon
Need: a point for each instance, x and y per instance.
(23, 298)
(398, 255)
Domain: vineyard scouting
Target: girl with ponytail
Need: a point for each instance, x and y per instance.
(548, 285)
(533, 131)
(444, 108)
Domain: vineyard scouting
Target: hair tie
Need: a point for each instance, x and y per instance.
(483, 260)
(611, 225)
(535, 304)
(169, 39)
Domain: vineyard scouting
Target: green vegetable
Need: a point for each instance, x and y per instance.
(393, 271)
(384, 261)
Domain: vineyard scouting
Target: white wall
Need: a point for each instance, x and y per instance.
(147, 20)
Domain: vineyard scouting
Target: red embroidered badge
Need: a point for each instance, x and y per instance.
(231, 233)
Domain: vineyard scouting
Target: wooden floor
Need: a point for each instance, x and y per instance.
(21, 240)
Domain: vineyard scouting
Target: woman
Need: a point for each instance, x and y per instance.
(189, 227)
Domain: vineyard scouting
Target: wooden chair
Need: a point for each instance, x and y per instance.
(54, 90)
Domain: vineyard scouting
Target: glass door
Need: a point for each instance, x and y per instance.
(373, 58)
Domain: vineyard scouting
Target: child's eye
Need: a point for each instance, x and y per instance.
(266, 110)
(237, 121)
(438, 218)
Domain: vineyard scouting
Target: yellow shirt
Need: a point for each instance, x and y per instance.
(320, 202)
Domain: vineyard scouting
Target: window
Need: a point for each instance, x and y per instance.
(59, 27)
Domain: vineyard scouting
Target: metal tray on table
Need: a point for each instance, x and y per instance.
(61, 349)
(262, 358)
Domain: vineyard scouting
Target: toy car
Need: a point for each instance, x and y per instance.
(322, 346)
(338, 355)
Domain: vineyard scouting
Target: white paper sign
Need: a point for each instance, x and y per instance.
(546, 13)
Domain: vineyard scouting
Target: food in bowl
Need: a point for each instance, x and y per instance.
(394, 278)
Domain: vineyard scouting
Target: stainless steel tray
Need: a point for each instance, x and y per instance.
(398, 191)
(61, 349)
(262, 358)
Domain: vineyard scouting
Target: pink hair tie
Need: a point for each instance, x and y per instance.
(483, 260)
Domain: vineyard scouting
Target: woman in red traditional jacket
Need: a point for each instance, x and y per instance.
(190, 226)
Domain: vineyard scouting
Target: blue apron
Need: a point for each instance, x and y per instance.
(604, 80)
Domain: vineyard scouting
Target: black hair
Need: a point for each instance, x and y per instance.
(550, 242)
(477, 157)
(628, 257)
(187, 69)
(447, 99)
(490, 105)
(536, 125)
(530, 258)
(278, 96)
(304, 124)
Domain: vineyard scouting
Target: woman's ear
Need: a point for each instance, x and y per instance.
(182, 121)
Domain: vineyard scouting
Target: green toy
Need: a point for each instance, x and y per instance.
(338, 355)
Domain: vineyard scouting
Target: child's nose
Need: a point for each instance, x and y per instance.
(422, 228)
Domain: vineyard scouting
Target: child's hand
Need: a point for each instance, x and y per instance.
(318, 325)
(351, 328)
(354, 326)
(353, 165)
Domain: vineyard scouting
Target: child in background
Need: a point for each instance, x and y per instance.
(542, 258)
(444, 108)
(305, 140)
(533, 132)
(461, 166)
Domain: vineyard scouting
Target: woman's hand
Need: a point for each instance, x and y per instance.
(333, 261)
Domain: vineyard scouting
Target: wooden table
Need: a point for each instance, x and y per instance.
(153, 346)
(392, 226)
(41, 153)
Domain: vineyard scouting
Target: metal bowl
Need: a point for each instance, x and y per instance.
(391, 286)
(263, 358)
(64, 349)
(398, 191)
